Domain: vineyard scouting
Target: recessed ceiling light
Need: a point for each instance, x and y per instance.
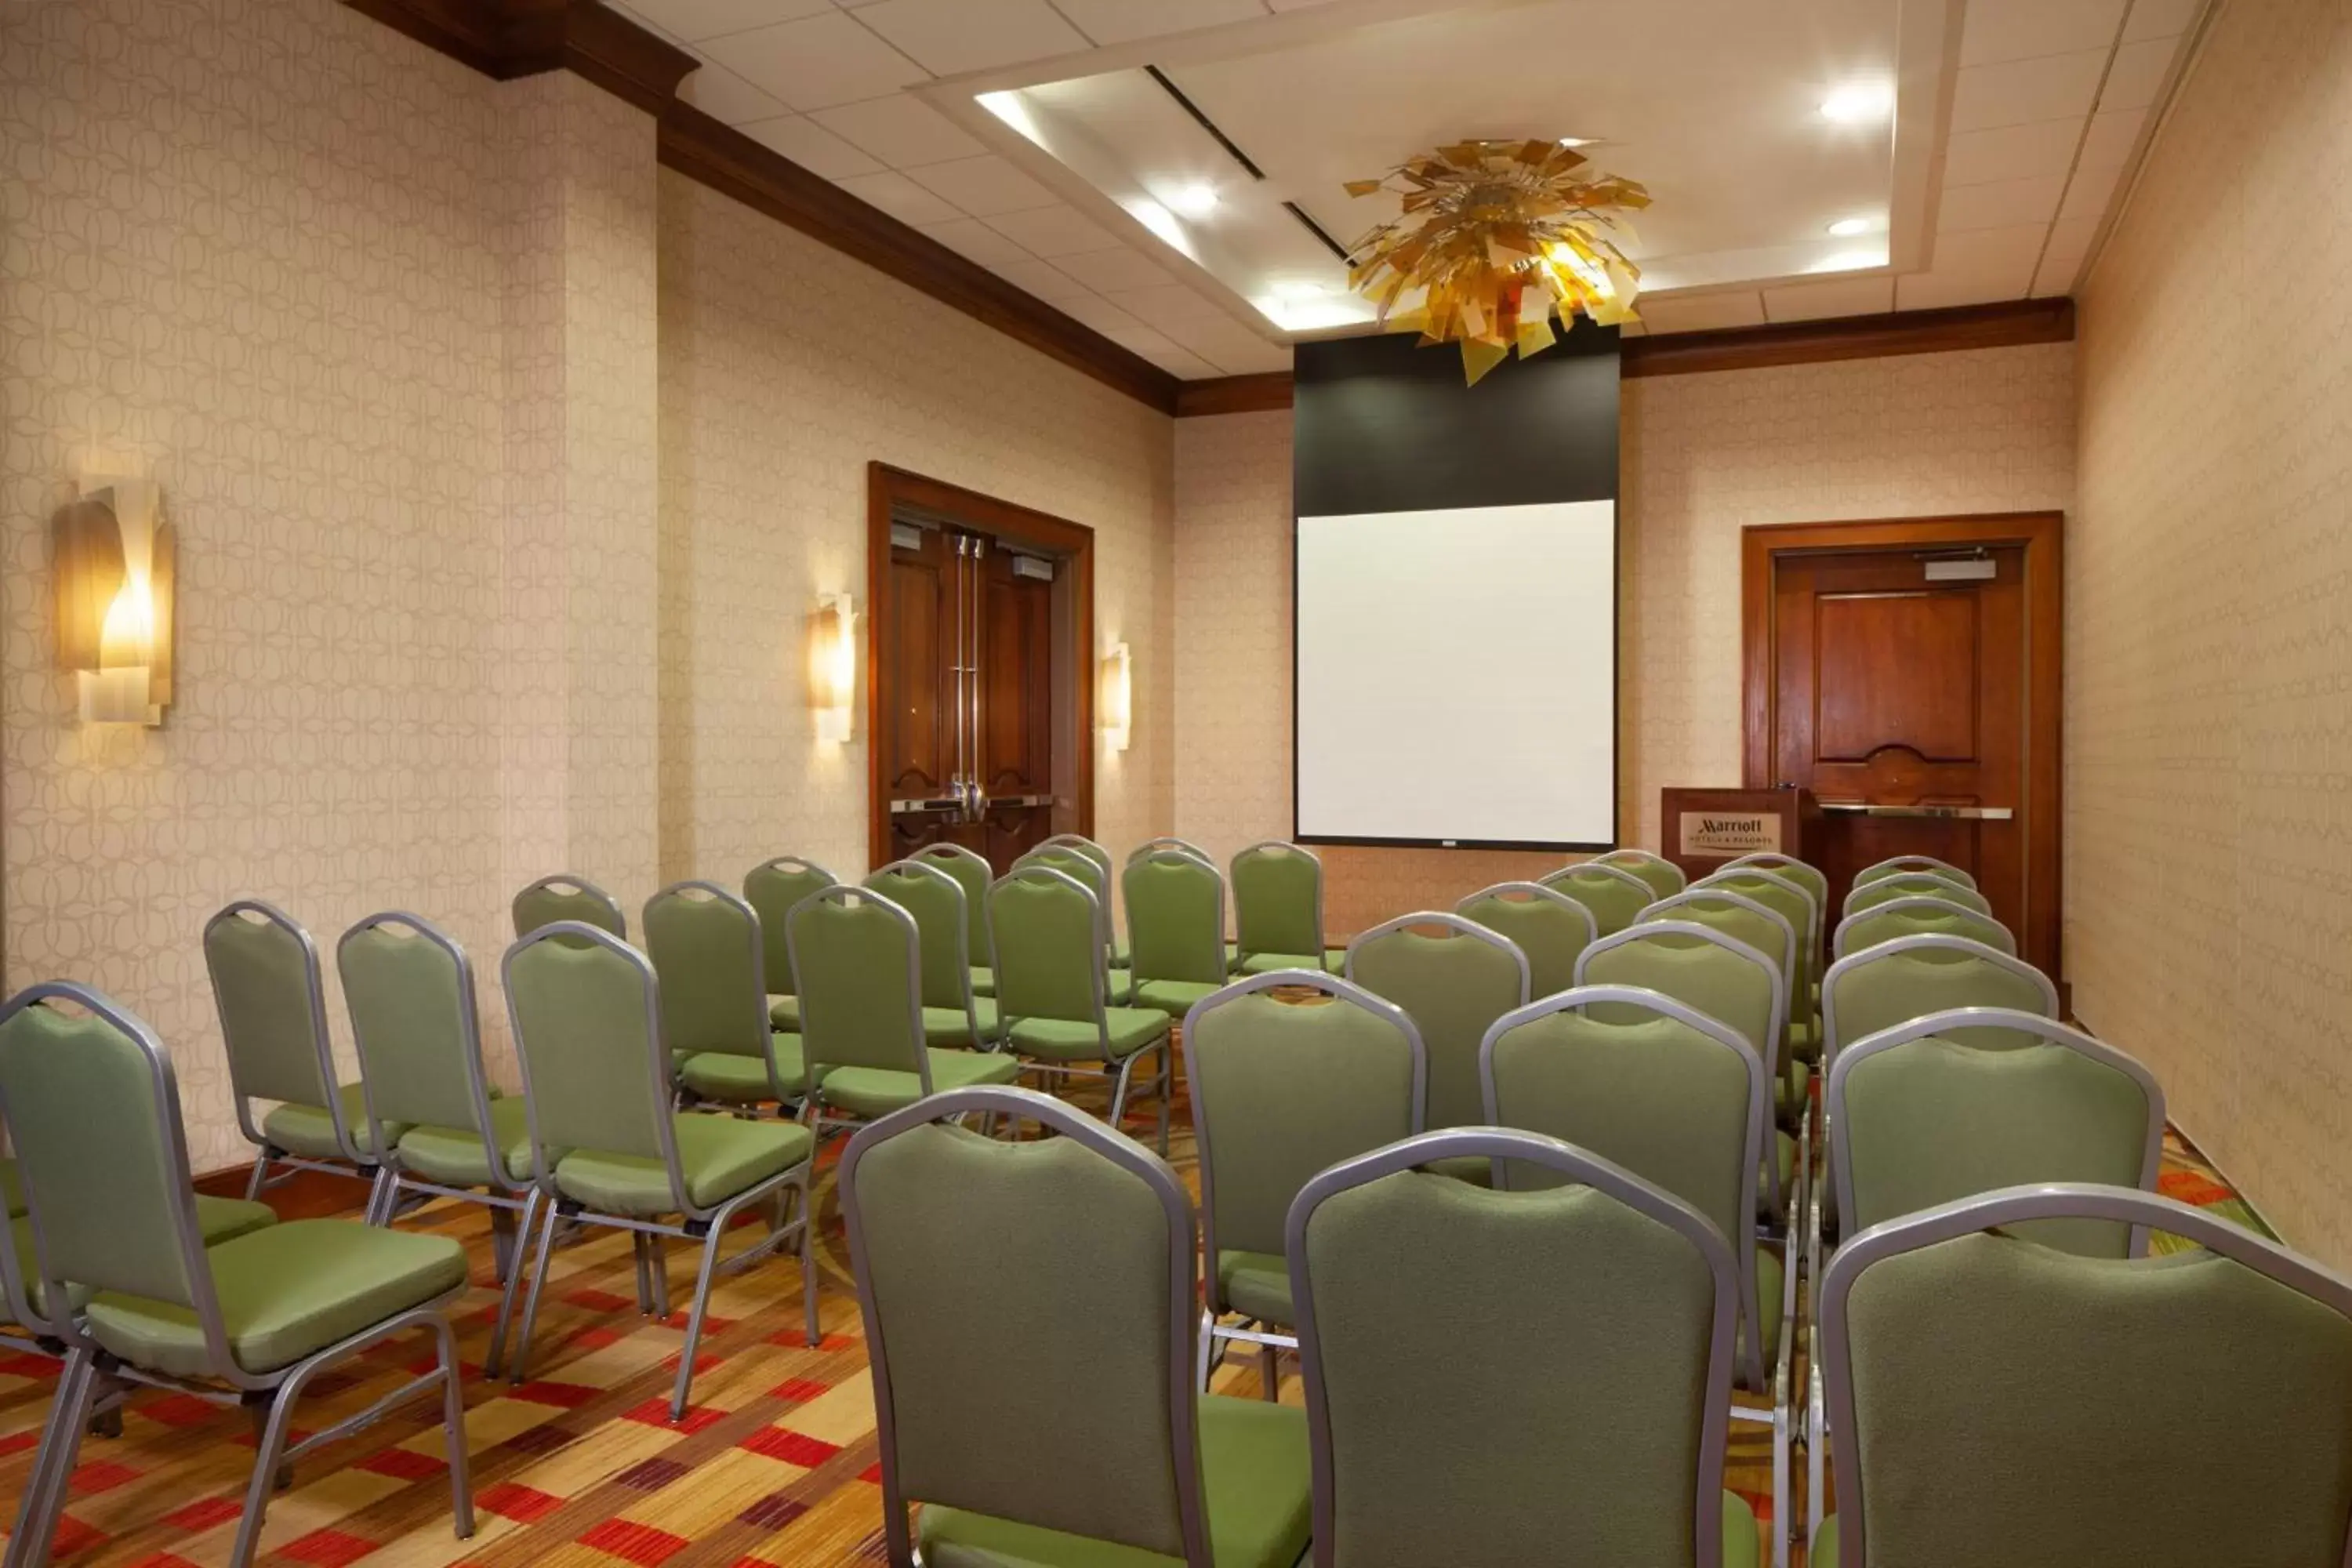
(1311, 315)
(1859, 103)
(1196, 200)
(1161, 222)
(1849, 261)
(1846, 226)
(1298, 288)
(1010, 108)
(1576, 141)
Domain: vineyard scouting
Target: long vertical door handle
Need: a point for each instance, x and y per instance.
(955, 664)
(979, 785)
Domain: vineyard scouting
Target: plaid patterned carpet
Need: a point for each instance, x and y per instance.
(775, 1464)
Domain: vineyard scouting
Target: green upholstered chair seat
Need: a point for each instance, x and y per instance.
(1477, 1172)
(309, 1131)
(718, 1156)
(878, 1091)
(1118, 988)
(285, 1291)
(1769, 1283)
(983, 981)
(1173, 997)
(1256, 1285)
(1739, 1534)
(1794, 1091)
(949, 1026)
(1334, 959)
(1131, 1029)
(784, 1012)
(218, 1220)
(12, 1188)
(1255, 1488)
(740, 1080)
(453, 1156)
(1804, 1040)
(1122, 957)
(1824, 1552)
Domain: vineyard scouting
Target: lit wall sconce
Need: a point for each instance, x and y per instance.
(111, 562)
(1118, 699)
(832, 667)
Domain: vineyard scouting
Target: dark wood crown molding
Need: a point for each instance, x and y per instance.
(512, 38)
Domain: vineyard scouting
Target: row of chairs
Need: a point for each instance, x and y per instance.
(1998, 1401)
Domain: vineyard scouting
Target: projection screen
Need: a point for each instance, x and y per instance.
(1456, 676)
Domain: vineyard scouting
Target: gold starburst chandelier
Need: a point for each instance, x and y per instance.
(1496, 235)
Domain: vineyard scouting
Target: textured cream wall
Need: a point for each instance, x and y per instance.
(786, 367)
(2209, 876)
(1701, 457)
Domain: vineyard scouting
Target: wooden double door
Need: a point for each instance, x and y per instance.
(976, 691)
(1908, 674)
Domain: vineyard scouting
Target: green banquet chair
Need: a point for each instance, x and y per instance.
(1277, 891)
(953, 1013)
(1175, 929)
(772, 889)
(1549, 927)
(1615, 896)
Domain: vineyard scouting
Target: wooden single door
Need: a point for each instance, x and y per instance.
(1911, 684)
(982, 725)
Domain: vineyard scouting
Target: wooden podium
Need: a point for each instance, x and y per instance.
(1702, 829)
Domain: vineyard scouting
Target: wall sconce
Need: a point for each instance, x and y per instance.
(111, 560)
(832, 667)
(1118, 699)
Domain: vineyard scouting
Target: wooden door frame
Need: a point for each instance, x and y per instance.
(887, 489)
(2041, 535)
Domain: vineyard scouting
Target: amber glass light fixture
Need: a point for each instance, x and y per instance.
(111, 560)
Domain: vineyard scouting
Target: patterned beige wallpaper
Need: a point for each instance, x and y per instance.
(786, 368)
(2209, 840)
(1701, 457)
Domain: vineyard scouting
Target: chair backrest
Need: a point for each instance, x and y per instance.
(587, 1019)
(1608, 1287)
(935, 899)
(1048, 930)
(1790, 899)
(92, 1106)
(1810, 878)
(1997, 1403)
(857, 969)
(1453, 986)
(1738, 916)
(1665, 878)
(1615, 896)
(1898, 865)
(772, 889)
(1277, 900)
(1084, 869)
(552, 900)
(1916, 1119)
(1699, 966)
(1915, 885)
(1076, 1252)
(1916, 916)
(1283, 1090)
(409, 988)
(1674, 1097)
(705, 944)
(1911, 977)
(1547, 925)
(273, 1014)
(971, 873)
(1169, 841)
(1175, 917)
(1083, 846)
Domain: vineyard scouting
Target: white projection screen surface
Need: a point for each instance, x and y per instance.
(1456, 676)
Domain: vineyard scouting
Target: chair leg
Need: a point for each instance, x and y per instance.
(502, 1243)
(694, 1321)
(517, 1248)
(53, 1464)
(384, 1194)
(1166, 1089)
(254, 1182)
(538, 1279)
(1780, 1495)
(1204, 1355)
(808, 1251)
(644, 1279)
(453, 1417)
(657, 1270)
(1118, 1094)
(1269, 1373)
(268, 1475)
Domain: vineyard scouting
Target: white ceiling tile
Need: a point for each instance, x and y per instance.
(899, 196)
(2055, 278)
(2089, 193)
(1099, 313)
(2137, 75)
(812, 146)
(1216, 340)
(2016, 92)
(982, 186)
(1973, 286)
(2011, 152)
(2013, 248)
(1999, 30)
(977, 240)
(2160, 20)
(1702, 312)
(1109, 270)
(2072, 237)
(1142, 339)
(1119, 21)
(2109, 142)
(2001, 202)
(818, 61)
(1168, 305)
(901, 130)
(1043, 278)
(1257, 356)
(1054, 231)
(695, 20)
(1186, 367)
(1815, 302)
(721, 94)
(951, 36)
